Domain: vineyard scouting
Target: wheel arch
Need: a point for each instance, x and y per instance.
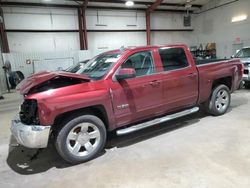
(97, 110)
(224, 80)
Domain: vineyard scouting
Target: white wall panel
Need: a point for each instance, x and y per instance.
(64, 19)
(27, 42)
(163, 38)
(38, 18)
(163, 20)
(18, 60)
(99, 41)
(111, 19)
(43, 42)
(216, 26)
(66, 41)
(27, 18)
(49, 19)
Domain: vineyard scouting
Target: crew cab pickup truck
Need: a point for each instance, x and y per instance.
(123, 90)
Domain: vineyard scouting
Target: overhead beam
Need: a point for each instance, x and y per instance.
(154, 6)
(18, 4)
(50, 5)
(148, 24)
(138, 9)
(142, 3)
(89, 30)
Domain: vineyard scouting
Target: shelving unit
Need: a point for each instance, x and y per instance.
(208, 53)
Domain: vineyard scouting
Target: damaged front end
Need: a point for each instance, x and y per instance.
(26, 127)
(28, 112)
(44, 81)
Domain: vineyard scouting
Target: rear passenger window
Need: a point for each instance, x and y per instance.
(173, 58)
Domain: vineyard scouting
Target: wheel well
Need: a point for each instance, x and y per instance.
(97, 110)
(226, 81)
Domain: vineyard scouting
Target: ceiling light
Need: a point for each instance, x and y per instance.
(239, 18)
(129, 3)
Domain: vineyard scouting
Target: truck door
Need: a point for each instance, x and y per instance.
(139, 97)
(180, 79)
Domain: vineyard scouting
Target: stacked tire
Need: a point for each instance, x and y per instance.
(15, 77)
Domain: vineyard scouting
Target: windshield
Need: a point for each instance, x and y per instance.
(77, 67)
(97, 67)
(73, 68)
(245, 52)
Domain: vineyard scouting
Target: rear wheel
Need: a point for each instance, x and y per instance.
(219, 101)
(81, 139)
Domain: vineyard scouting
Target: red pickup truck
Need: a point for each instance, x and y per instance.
(124, 90)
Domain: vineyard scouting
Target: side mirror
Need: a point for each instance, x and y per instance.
(232, 56)
(125, 73)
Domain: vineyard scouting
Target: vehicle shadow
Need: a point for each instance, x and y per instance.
(144, 134)
(32, 161)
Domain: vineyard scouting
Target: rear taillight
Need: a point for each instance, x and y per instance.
(241, 69)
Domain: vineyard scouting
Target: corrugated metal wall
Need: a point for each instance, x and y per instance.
(19, 61)
(67, 19)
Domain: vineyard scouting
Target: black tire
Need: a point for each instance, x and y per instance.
(63, 145)
(12, 80)
(20, 76)
(211, 105)
(247, 85)
(241, 85)
(15, 78)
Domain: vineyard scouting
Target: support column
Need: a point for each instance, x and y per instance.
(148, 28)
(85, 28)
(148, 11)
(3, 35)
(82, 26)
(80, 29)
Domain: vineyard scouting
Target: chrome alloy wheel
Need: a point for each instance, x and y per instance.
(222, 100)
(83, 139)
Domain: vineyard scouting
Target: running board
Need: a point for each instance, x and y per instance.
(156, 121)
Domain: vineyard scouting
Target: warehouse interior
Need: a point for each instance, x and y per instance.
(198, 150)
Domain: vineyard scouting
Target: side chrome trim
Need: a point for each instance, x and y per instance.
(156, 121)
(216, 62)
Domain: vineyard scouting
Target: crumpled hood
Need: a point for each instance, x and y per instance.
(34, 80)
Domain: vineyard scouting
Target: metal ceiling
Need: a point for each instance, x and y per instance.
(170, 5)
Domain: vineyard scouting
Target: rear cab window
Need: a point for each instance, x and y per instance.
(173, 58)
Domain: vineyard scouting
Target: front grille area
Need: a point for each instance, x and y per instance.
(28, 112)
(246, 71)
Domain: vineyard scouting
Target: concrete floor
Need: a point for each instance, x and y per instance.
(198, 151)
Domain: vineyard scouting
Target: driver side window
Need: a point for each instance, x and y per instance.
(142, 62)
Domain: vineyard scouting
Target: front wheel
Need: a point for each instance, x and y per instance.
(219, 101)
(81, 139)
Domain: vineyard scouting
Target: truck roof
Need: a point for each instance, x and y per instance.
(144, 48)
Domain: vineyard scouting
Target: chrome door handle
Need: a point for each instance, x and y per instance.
(154, 83)
(191, 75)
